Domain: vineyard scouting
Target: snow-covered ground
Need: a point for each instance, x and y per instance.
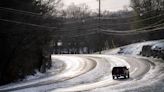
(92, 73)
(135, 49)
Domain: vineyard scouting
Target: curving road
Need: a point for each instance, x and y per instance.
(92, 73)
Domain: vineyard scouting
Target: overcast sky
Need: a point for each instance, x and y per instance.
(112, 5)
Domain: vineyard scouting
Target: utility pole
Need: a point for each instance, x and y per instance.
(99, 9)
(99, 34)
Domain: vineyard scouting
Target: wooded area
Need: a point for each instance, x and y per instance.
(145, 9)
(26, 26)
(32, 30)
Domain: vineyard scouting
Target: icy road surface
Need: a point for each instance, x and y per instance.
(92, 73)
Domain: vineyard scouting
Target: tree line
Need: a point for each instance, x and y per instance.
(144, 9)
(26, 28)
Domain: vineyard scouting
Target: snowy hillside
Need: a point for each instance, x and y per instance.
(135, 49)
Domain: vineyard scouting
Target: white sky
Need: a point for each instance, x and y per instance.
(112, 5)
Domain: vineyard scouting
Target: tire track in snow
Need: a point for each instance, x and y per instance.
(114, 61)
(89, 73)
(74, 66)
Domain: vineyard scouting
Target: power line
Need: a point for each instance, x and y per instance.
(20, 11)
(154, 25)
(131, 22)
(29, 24)
(80, 27)
(114, 25)
(17, 22)
(91, 29)
(113, 18)
(137, 21)
(143, 28)
(24, 12)
(35, 25)
(146, 19)
(115, 31)
(134, 32)
(137, 32)
(31, 13)
(74, 36)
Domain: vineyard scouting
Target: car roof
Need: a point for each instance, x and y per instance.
(119, 67)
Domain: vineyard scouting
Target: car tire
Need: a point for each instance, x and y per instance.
(128, 76)
(114, 77)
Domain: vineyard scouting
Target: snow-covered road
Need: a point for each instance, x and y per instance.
(92, 73)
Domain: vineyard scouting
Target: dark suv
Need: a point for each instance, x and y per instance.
(119, 72)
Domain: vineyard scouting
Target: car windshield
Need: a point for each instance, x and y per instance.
(119, 69)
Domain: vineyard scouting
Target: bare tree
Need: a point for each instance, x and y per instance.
(147, 9)
(76, 11)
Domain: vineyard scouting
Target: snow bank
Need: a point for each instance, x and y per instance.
(56, 67)
(35, 76)
(135, 49)
(158, 46)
